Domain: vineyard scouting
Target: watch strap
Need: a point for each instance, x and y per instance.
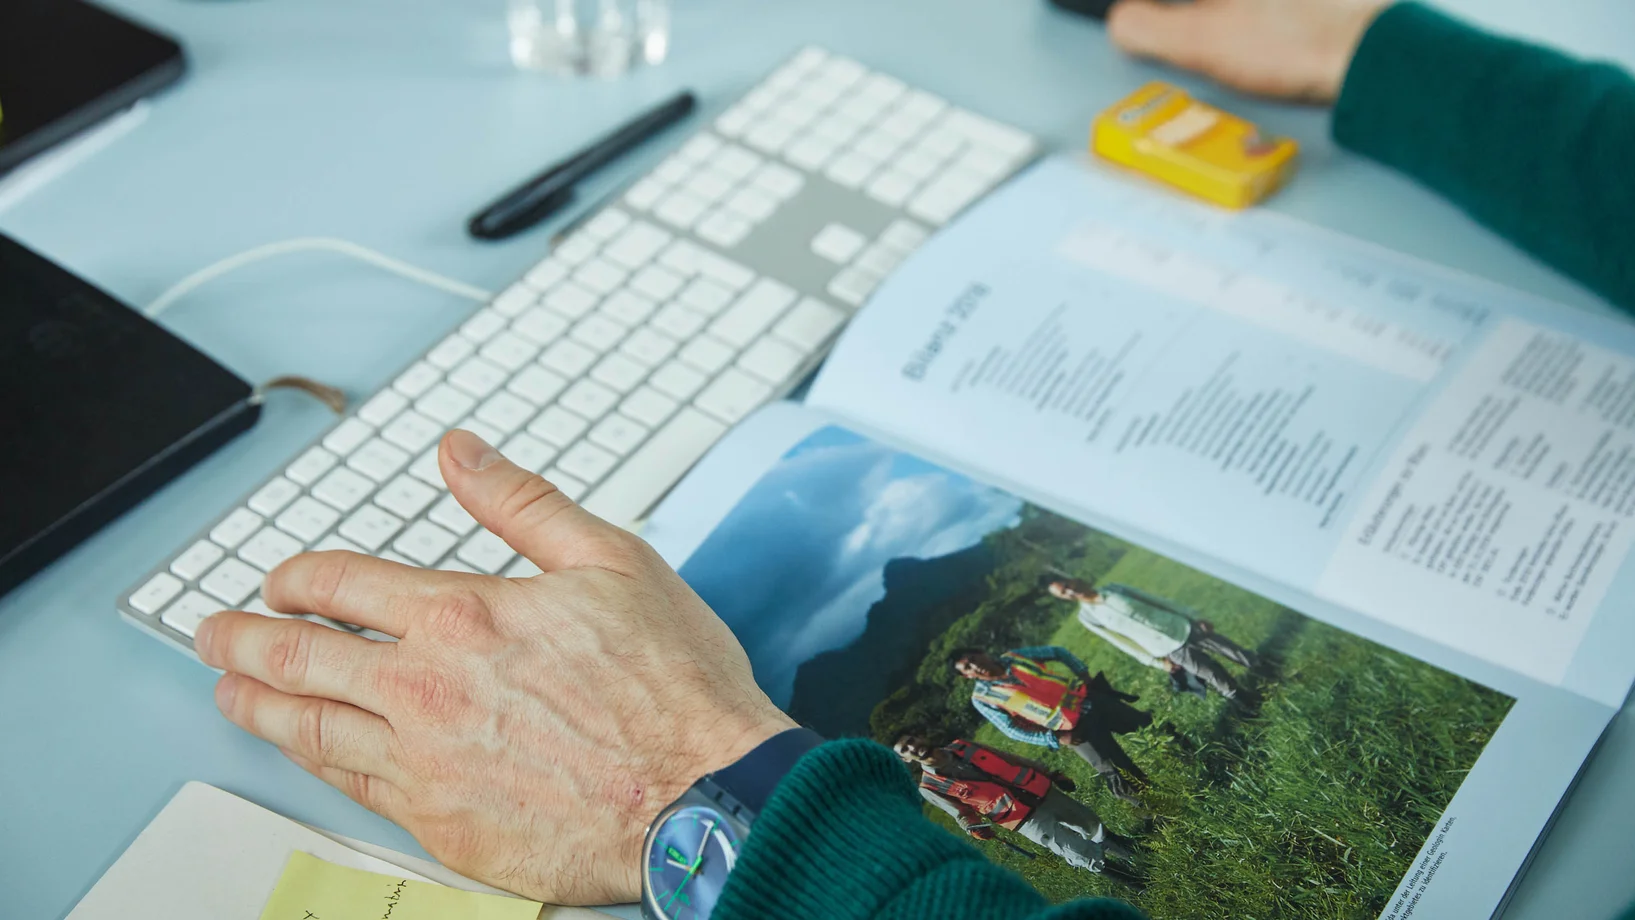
(753, 777)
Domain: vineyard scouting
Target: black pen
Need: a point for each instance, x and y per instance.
(551, 190)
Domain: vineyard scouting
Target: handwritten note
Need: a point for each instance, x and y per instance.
(312, 889)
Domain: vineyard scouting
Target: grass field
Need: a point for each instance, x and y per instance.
(1311, 807)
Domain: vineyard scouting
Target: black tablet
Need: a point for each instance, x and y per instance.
(65, 65)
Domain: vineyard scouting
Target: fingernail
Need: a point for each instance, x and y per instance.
(226, 689)
(470, 451)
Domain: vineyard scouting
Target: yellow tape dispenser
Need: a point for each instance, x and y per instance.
(1219, 157)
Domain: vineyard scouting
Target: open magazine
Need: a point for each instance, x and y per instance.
(1208, 561)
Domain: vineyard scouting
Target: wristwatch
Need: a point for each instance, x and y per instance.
(692, 845)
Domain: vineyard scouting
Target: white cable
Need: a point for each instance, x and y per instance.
(314, 244)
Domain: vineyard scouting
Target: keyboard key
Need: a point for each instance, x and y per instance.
(648, 406)
(196, 561)
(509, 351)
(1005, 139)
(771, 360)
(347, 436)
(891, 188)
(753, 312)
(643, 194)
(343, 489)
(566, 484)
(370, 527)
(654, 281)
(708, 185)
(570, 300)
(449, 513)
(453, 564)
(444, 404)
(557, 426)
(675, 169)
(424, 542)
(707, 353)
(269, 547)
(155, 593)
(984, 163)
(307, 519)
(540, 326)
(272, 497)
(515, 299)
(650, 472)
(735, 162)
(382, 406)
(482, 429)
(723, 228)
(618, 434)
(600, 276)
(188, 612)
(334, 542)
(482, 325)
(619, 373)
(809, 324)
(417, 379)
(628, 307)
(771, 135)
(378, 460)
(587, 462)
(732, 395)
(412, 431)
(681, 208)
(678, 321)
(528, 452)
(752, 204)
(734, 120)
(838, 243)
(945, 196)
(478, 377)
(706, 295)
(598, 332)
(235, 528)
(604, 225)
(916, 165)
(700, 147)
(522, 568)
(811, 151)
(426, 469)
(647, 346)
(506, 412)
(575, 249)
(853, 285)
(677, 380)
(451, 351)
(589, 399)
(683, 258)
(904, 235)
(850, 169)
(546, 275)
(486, 553)
(724, 270)
(568, 358)
(537, 385)
(231, 581)
(637, 245)
(779, 180)
(405, 496)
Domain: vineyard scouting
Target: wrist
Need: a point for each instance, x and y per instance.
(1351, 23)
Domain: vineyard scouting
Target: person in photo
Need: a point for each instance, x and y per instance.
(1019, 694)
(983, 789)
(1156, 631)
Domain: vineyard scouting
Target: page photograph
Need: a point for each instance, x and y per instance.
(1098, 717)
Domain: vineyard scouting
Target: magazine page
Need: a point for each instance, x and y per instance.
(1105, 718)
(1436, 452)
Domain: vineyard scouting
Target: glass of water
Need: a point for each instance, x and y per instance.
(601, 37)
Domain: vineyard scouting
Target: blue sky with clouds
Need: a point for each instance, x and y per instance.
(794, 567)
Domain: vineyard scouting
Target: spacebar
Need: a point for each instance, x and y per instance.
(648, 473)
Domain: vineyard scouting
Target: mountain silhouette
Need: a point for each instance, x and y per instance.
(836, 690)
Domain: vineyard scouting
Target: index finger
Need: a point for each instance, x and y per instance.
(296, 656)
(354, 588)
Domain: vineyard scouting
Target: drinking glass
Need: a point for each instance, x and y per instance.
(601, 37)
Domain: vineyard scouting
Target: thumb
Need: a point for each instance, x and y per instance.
(1174, 32)
(521, 508)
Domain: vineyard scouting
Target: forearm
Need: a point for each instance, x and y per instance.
(844, 838)
(1534, 144)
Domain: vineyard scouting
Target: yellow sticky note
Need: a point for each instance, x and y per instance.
(311, 889)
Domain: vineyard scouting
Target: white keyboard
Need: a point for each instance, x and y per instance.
(713, 285)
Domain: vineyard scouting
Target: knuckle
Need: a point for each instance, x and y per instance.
(288, 655)
(328, 577)
(457, 615)
(312, 731)
(430, 693)
(533, 503)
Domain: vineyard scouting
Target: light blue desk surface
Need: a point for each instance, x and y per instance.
(386, 122)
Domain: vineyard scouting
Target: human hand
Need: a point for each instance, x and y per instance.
(1065, 738)
(1291, 49)
(525, 731)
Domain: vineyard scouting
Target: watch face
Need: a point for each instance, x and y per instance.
(687, 863)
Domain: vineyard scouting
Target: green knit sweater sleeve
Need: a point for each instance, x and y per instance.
(844, 838)
(1532, 143)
